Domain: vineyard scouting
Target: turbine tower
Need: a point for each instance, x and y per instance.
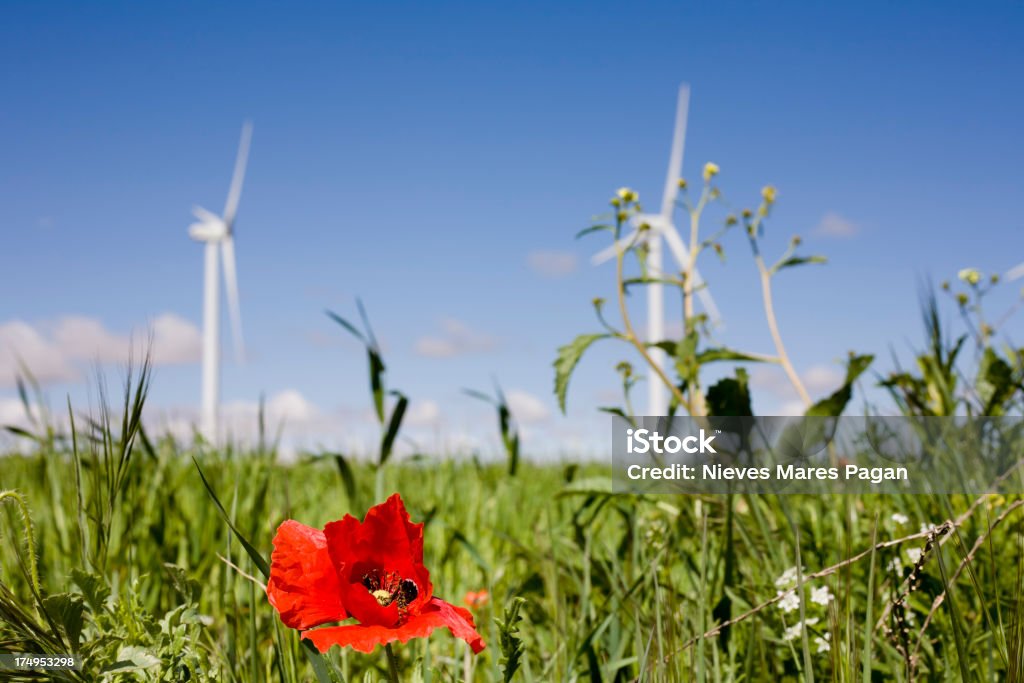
(661, 227)
(218, 234)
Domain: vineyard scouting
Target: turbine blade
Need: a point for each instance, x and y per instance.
(609, 252)
(682, 256)
(675, 160)
(1015, 273)
(204, 215)
(235, 193)
(231, 286)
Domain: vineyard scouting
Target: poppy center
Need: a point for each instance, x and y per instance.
(390, 587)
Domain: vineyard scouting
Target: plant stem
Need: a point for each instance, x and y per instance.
(773, 328)
(393, 676)
(630, 335)
(696, 395)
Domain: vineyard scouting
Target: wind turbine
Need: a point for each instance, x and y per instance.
(218, 234)
(661, 227)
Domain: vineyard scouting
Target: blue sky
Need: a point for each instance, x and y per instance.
(417, 154)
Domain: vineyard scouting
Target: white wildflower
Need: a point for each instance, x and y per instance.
(790, 602)
(821, 596)
(895, 565)
(796, 629)
(822, 643)
(788, 578)
(914, 554)
(900, 519)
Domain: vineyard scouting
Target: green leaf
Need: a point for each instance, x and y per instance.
(685, 354)
(730, 396)
(388, 442)
(254, 554)
(568, 357)
(67, 609)
(18, 431)
(348, 479)
(508, 637)
(347, 325)
(374, 360)
(995, 383)
(318, 662)
(798, 261)
(612, 410)
(834, 405)
(713, 355)
(376, 364)
(595, 228)
(93, 587)
(478, 395)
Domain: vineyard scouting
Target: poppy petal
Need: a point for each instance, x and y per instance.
(303, 585)
(458, 620)
(386, 540)
(436, 614)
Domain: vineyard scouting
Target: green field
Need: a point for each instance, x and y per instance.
(137, 566)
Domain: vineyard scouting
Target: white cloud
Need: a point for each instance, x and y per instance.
(822, 379)
(834, 225)
(22, 344)
(175, 340)
(290, 405)
(423, 413)
(53, 351)
(552, 263)
(457, 339)
(527, 408)
(83, 338)
(817, 379)
(790, 409)
(12, 413)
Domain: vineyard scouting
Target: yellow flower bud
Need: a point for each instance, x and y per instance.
(682, 183)
(710, 171)
(768, 192)
(747, 213)
(961, 299)
(626, 195)
(970, 275)
(731, 220)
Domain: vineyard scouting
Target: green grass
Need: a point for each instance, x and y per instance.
(616, 587)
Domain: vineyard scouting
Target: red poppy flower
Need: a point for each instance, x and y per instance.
(371, 571)
(478, 598)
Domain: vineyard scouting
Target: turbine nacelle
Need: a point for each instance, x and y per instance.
(210, 230)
